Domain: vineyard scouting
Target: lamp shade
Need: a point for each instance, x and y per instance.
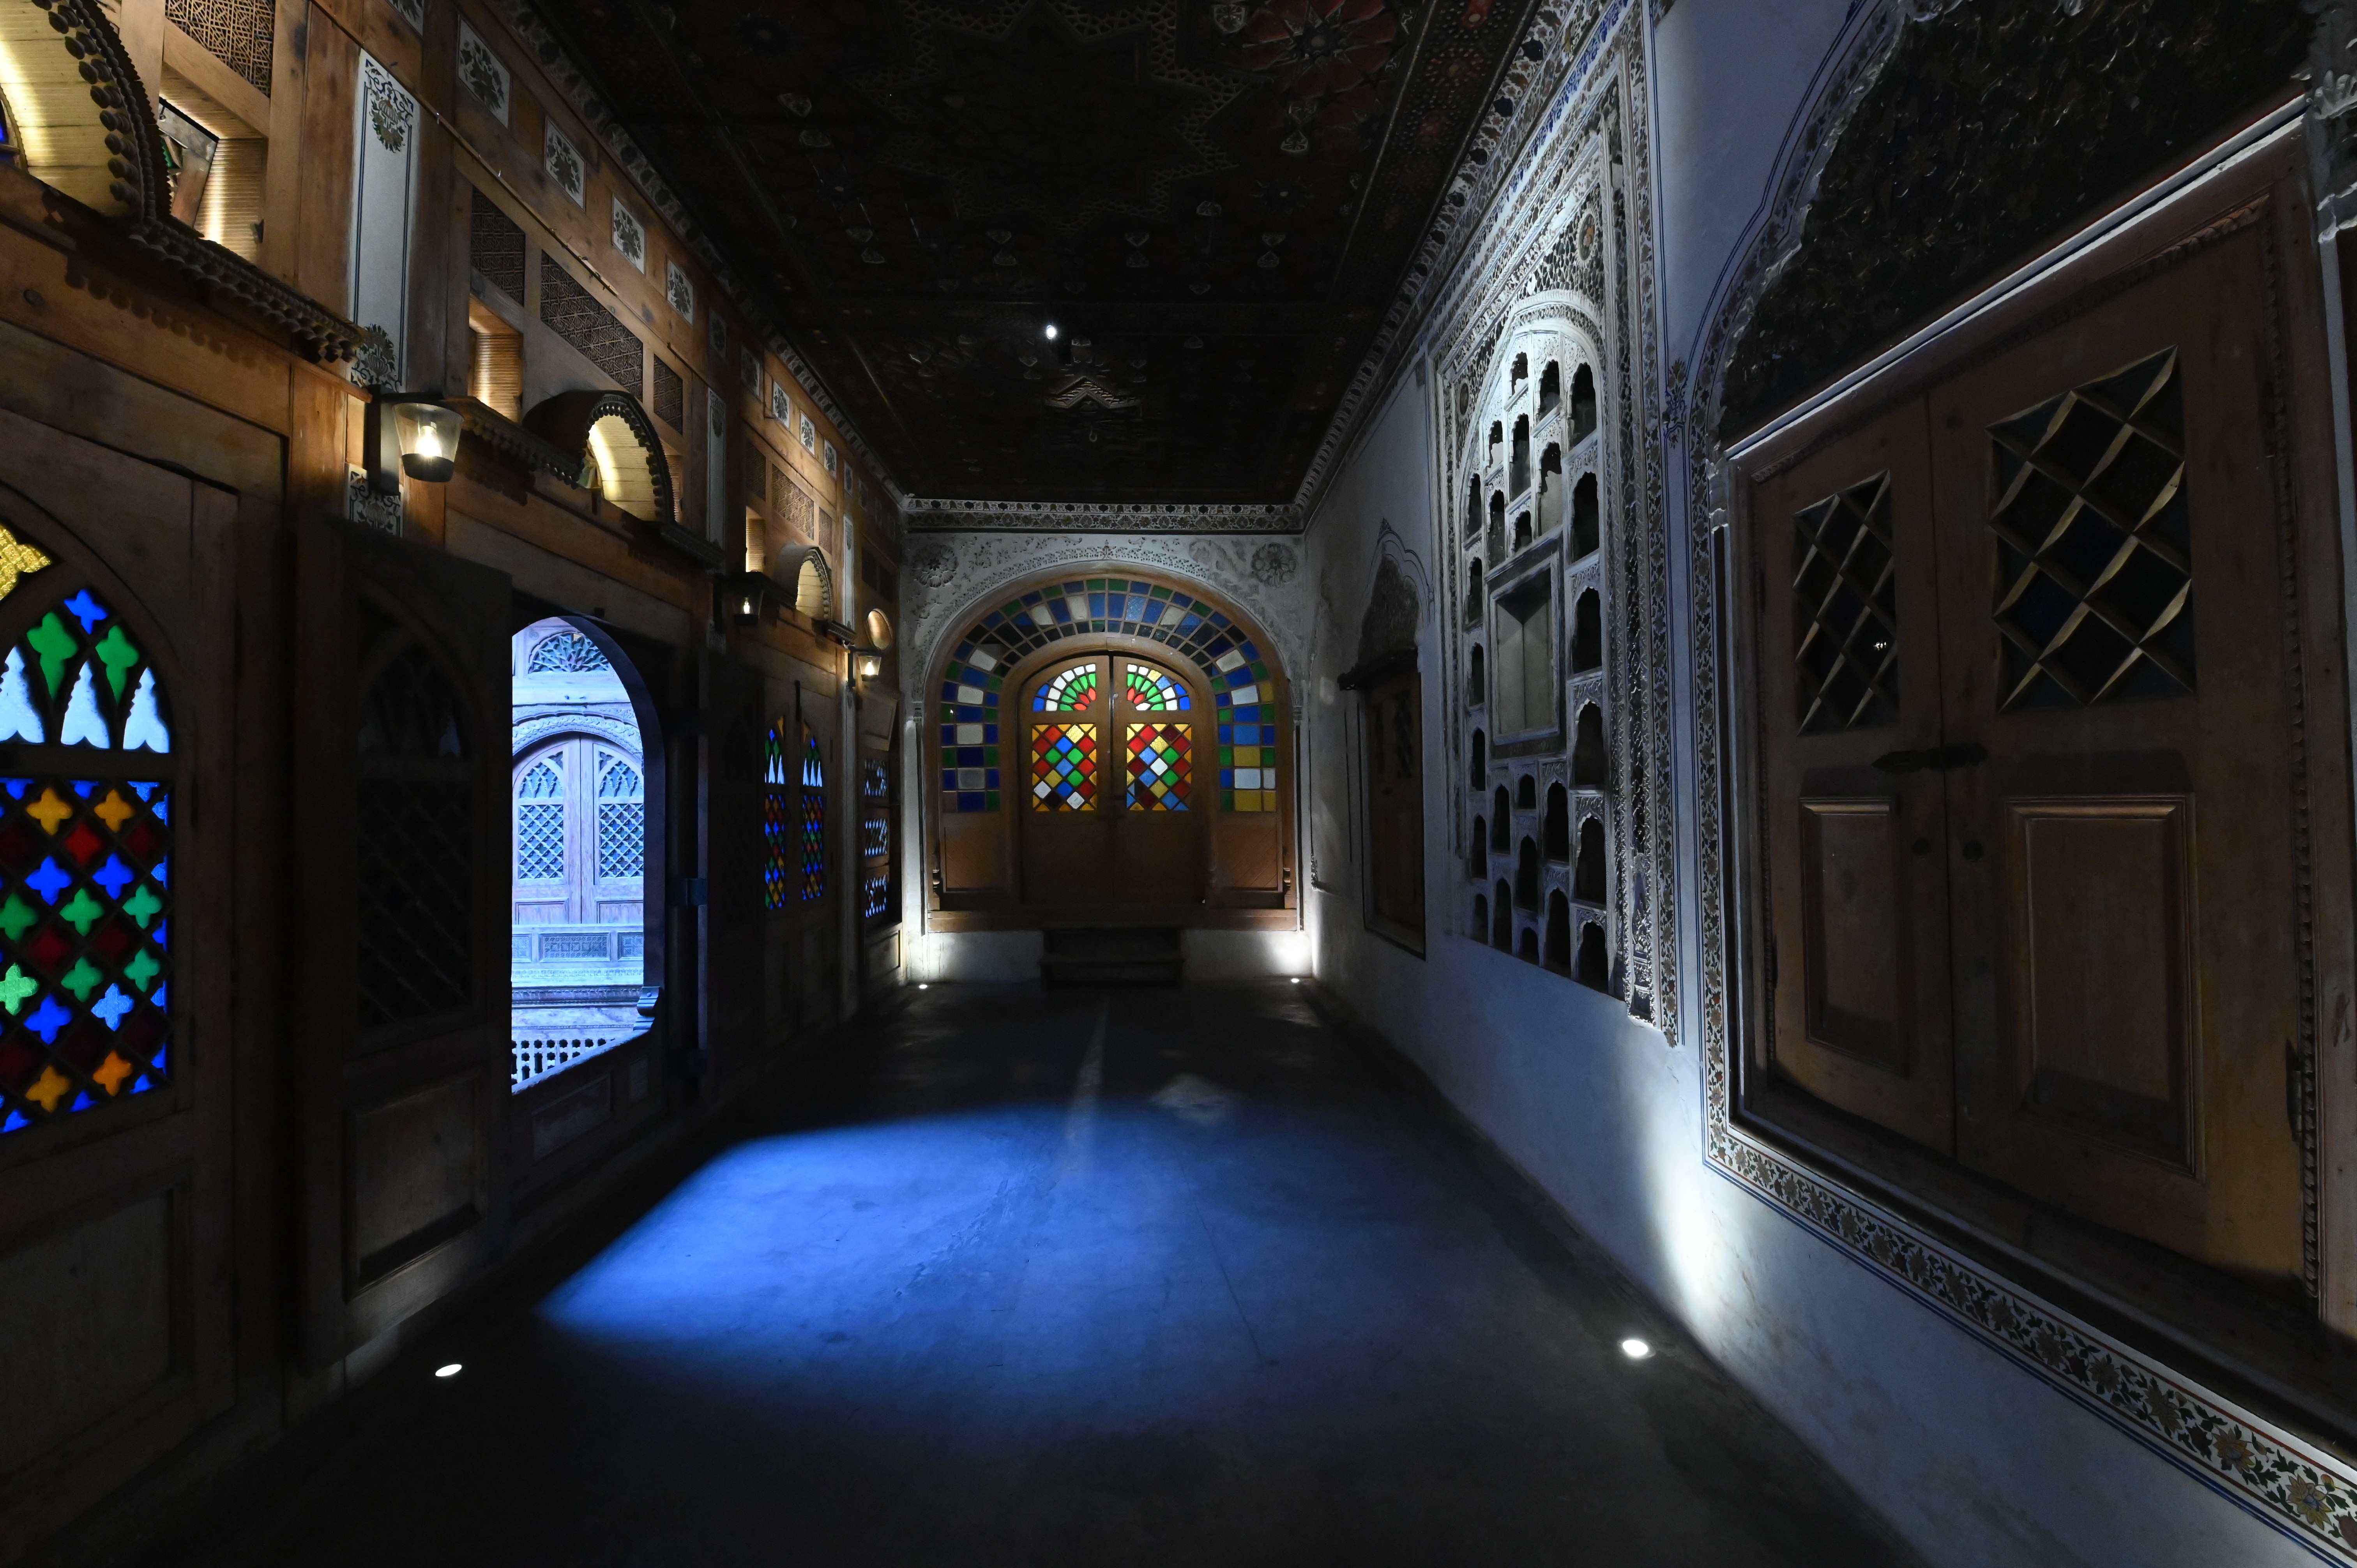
(428, 436)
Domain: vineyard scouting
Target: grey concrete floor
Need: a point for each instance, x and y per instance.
(1071, 1278)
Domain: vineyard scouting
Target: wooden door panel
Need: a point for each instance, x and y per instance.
(2102, 923)
(2114, 608)
(1850, 741)
(1857, 966)
(403, 700)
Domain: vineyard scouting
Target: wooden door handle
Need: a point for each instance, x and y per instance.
(1936, 759)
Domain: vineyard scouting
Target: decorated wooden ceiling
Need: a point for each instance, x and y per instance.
(1211, 200)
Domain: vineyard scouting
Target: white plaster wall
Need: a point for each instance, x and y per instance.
(1976, 1460)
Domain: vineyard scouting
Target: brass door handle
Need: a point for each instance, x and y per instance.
(1937, 759)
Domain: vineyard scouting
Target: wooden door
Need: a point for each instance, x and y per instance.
(402, 706)
(118, 1051)
(1394, 738)
(1850, 738)
(2118, 630)
(1114, 809)
(580, 834)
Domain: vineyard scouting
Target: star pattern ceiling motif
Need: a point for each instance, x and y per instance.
(1213, 199)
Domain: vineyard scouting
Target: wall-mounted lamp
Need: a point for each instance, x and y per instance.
(868, 663)
(427, 434)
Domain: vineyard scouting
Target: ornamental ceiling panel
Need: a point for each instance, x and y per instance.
(1211, 200)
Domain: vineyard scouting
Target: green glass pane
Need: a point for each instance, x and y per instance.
(143, 906)
(16, 917)
(54, 645)
(82, 911)
(17, 988)
(143, 968)
(118, 653)
(81, 979)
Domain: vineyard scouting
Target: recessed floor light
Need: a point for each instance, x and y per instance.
(1296, 980)
(450, 1369)
(1636, 1349)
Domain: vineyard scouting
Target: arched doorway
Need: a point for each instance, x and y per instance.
(1192, 829)
(578, 943)
(1112, 815)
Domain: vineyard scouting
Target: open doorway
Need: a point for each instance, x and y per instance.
(578, 943)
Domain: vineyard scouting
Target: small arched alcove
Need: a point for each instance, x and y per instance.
(1526, 874)
(1592, 966)
(1559, 824)
(1550, 500)
(1502, 820)
(1587, 531)
(1588, 770)
(1526, 793)
(1497, 539)
(622, 456)
(1518, 479)
(1527, 949)
(1550, 388)
(1521, 373)
(1586, 633)
(1479, 760)
(1501, 917)
(1474, 593)
(1583, 404)
(1480, 917)
(1588, 875)
(1477, 853)
(1477, 685)
(1559, 934)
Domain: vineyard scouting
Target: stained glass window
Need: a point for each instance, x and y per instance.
(621, 820)
(1063, 767)
(85, 949)
(540, 822)
(1152, 691)
(567, 650)
(875, 839)
(1068, 690)
(969, 727)
(85, 865)
(1157, 767)
(1248, 720)
(780, 811)
(814, 819)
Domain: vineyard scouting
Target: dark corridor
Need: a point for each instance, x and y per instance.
(1071, 1277)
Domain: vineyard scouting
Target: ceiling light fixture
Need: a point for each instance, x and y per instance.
(450, 1369)
(1636, 1349)
(1051, 332)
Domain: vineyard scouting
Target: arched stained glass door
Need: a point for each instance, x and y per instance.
(1112, 804)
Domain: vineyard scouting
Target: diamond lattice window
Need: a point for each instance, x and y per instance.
(1063, 767)
(2094, 573)
(1157, 767)
(1846, 609)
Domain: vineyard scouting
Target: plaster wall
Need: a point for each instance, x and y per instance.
(1977, 1460)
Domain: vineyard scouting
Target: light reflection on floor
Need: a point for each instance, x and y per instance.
(1156, 1278)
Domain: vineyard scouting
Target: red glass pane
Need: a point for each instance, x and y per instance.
(114, 941)
(141, 841)
(82, 843)
(19, 847)
(141, 1033)
(84, 1042)
(48, 947)
(19, 1062)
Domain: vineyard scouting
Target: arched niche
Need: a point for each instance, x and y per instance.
(78, 121)
(978, 738)
(622, 456)
(76, 113)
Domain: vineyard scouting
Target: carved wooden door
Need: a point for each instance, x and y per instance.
(1113, 811)
(1850, 680)
(403, 702)
(580, 834)
(2119, 639)
(118, 1047)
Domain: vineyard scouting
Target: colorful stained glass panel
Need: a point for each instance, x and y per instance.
(1068, 690)
(779, 813)
(1157, 767)
(1152, 691)
(814, 819)
(85, 949)
(1247, 727)
(1063, 767)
